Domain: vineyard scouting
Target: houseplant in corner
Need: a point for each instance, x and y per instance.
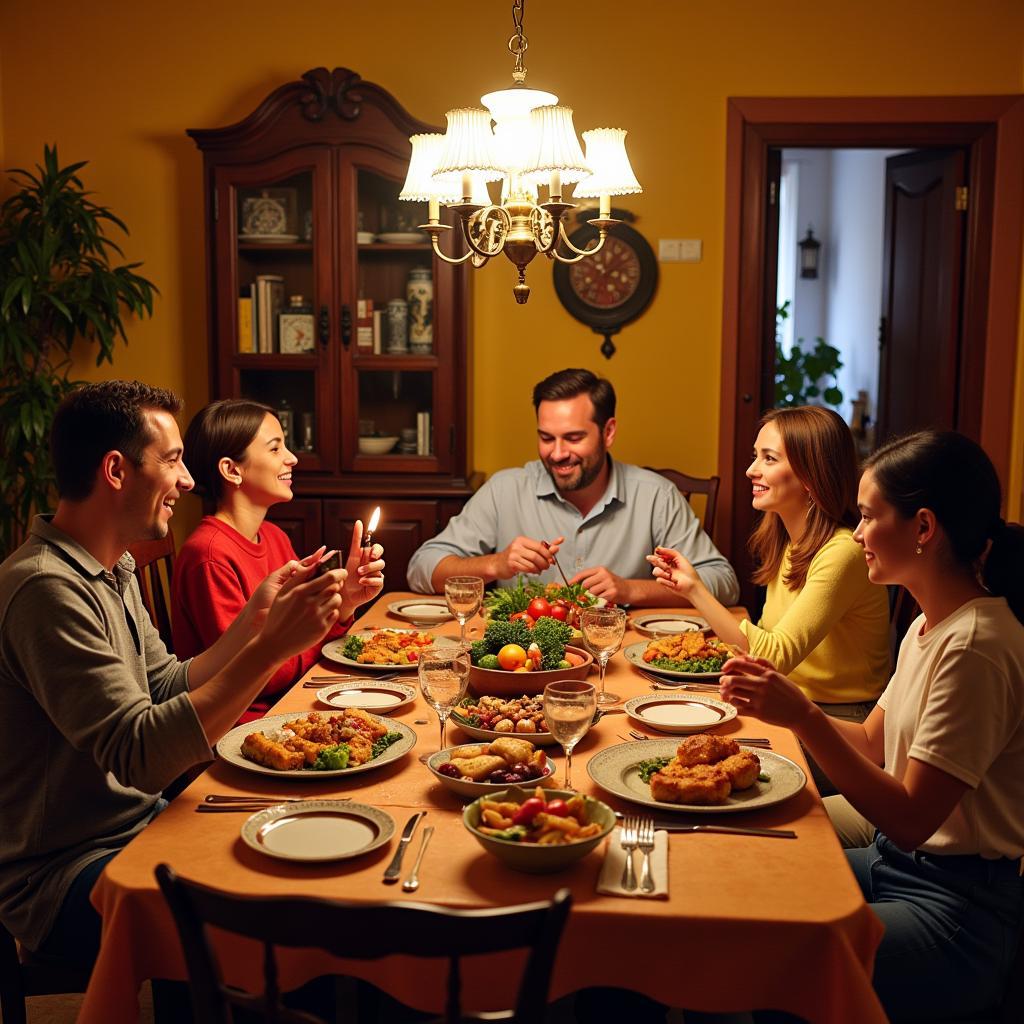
(801, 376)
(58, 283)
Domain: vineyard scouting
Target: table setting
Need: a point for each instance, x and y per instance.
(644, 867)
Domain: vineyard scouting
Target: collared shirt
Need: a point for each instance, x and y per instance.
(638, 511)
(94, 721)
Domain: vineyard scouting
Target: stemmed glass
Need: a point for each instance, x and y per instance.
(444, 674)
(603, 629)
(464, 595)
(569, 707)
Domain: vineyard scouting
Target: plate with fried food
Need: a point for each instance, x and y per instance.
(702, 773)
(473, 769)
(316, 745)
(386, 650)
(690, 656)
(679, 713)
(490, 718)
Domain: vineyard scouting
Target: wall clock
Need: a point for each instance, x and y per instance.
(612, 288)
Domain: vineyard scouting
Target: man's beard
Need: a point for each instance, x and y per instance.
(586, 472)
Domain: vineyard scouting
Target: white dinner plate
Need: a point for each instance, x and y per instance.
(317, 830)
(402, 237)
(655, 624)
(229, 748)
(383, 697)
(634, 654)
(679, 713)
(334, 649)
(422, 611)
(273, 239)
(615, 770)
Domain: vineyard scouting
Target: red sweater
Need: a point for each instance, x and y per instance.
(215, 573)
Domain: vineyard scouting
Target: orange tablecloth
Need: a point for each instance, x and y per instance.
(750, 922)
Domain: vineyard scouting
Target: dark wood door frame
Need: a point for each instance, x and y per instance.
(992, 128)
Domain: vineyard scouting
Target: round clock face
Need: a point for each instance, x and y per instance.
(609, 278)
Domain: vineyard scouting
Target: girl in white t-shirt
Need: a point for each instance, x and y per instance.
(937, 769)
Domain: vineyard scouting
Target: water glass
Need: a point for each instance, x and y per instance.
(444, 675)
(464, 595)
(603, 629)
(569, 707)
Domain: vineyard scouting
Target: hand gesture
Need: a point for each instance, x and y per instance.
(258, 605)
(364, 572)
(672, 570)
(602, 582)
(304, 609)
(527, 555)
(753, 685)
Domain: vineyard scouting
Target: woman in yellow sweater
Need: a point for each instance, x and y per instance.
(824, 624)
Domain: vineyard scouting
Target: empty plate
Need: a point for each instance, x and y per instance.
(679, 713)
(382, 697)
(318, 830)
(422, 611)
(654, 624)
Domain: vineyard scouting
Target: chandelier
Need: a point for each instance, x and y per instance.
(532, 146)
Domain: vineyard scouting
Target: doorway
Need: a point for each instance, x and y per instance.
(990, 131)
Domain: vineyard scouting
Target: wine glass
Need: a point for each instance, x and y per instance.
(602, 633)
(444, 674)
(569, 706)
(464, 595)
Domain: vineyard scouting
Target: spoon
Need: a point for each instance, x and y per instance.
(412, 883)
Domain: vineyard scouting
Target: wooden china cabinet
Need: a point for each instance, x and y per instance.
(297, 197)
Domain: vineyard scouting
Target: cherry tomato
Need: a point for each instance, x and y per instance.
(560, 612)
(559, 808)
(524, 617)
(528, 810)
(538, 608)
(511, 657)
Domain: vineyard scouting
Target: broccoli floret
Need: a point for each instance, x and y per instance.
(331, 759)
(477, 649)
(500, 633)
(551, 636)
(352, 647)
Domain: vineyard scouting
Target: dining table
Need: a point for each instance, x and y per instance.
(749, 922)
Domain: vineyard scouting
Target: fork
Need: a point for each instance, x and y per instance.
(638, 735)
(645, 843)
(629, 841)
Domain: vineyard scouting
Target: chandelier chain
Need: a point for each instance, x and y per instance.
(518, 43)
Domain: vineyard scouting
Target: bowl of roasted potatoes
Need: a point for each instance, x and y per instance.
(474, 769)
(538, 830)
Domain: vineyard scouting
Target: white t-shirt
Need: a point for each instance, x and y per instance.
(956, 702)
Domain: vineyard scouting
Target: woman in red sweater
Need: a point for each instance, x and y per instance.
(236, 452)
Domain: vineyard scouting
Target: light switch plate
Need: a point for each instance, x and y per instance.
(679, 250)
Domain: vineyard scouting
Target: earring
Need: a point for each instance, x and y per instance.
(920, 550)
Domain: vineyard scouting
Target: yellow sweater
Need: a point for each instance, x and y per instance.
(831, 637)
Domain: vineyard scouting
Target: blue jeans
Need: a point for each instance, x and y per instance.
(951, 928)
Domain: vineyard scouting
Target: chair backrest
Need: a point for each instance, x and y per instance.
(689, 485)
(30, 975)
(381, 929)
(154, 560)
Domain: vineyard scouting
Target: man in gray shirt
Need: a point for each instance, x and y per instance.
(602, 516)
(95, 716)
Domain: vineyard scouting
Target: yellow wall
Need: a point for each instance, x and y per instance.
(117, 83)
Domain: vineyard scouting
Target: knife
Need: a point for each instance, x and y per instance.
(394, 869)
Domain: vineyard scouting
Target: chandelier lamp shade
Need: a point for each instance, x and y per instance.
(525, 140)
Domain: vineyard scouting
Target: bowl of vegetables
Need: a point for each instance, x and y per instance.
(537, 830)
(514, 658)
(475, 769)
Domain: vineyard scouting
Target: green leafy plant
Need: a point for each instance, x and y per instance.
(58, 284)
(805, 377)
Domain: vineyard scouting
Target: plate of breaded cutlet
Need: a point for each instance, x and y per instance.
(702, 773)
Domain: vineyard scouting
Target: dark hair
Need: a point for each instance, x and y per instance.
(952, 476)
(819, 447)
(221, 430)
(100, 418)
(570, 383)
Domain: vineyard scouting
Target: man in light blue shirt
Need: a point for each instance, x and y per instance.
(600, 515)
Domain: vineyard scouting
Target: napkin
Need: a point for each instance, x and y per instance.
(609, 882)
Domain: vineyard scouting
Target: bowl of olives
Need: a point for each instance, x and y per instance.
(473, 771)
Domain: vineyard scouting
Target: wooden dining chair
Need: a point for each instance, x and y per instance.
(24, 974)
(154, 561)
(690, 485)
(359, 931)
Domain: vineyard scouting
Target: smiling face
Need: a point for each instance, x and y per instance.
(570, 444)
(266, 469)
(776, 488)
(152, 488)
(889, 540)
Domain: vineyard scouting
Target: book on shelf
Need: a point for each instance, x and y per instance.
(364, 324)
(246, 327)
(378, 346)
(423, 433)
(269, 302)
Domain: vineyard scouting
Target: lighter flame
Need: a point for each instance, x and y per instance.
(374, 520)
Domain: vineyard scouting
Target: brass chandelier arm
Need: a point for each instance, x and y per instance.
(580, 253)
(455, 261)
(480, 215)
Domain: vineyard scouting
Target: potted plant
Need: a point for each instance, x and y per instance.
(58, 283)
(806, 377)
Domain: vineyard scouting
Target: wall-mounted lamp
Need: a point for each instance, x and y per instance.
(810, 248)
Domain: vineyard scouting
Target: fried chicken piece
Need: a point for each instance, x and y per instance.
(742, 768)
(704, 749)
(700, 784)
(360, 749)
(357, 718)
(256, 747)
(478, 768)
(308, 749)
